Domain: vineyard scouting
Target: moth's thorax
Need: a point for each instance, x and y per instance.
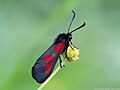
(65, 38)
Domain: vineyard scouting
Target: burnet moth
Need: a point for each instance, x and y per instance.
(45, 64)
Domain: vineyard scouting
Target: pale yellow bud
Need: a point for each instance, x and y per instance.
(72, 54)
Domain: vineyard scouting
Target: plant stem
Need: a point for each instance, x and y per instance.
(51, 76)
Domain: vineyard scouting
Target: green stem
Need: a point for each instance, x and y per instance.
(51, 76)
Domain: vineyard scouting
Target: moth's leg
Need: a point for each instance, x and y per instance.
(61, 62)
(73, 45)
(66, 54)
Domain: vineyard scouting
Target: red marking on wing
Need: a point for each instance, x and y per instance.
(47, 68)
(59, 47)
(53, 59)
(47, 58)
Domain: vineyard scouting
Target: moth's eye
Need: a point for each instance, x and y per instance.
(70, 37)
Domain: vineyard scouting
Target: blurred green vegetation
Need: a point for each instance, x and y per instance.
(28, 28)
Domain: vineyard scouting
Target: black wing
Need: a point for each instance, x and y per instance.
(46, 63)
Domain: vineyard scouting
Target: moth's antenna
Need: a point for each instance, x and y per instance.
(71, 21)
(78, 27)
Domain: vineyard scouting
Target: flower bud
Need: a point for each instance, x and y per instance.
(72, 53)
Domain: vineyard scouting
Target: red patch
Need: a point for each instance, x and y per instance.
(47, 58)
(47, 68)
(59, 47)
(53, 59)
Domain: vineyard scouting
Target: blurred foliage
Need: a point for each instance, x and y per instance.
(28, 28)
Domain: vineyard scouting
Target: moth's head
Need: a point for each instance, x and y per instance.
(68, 37)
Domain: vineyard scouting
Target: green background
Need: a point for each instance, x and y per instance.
(29, 27)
